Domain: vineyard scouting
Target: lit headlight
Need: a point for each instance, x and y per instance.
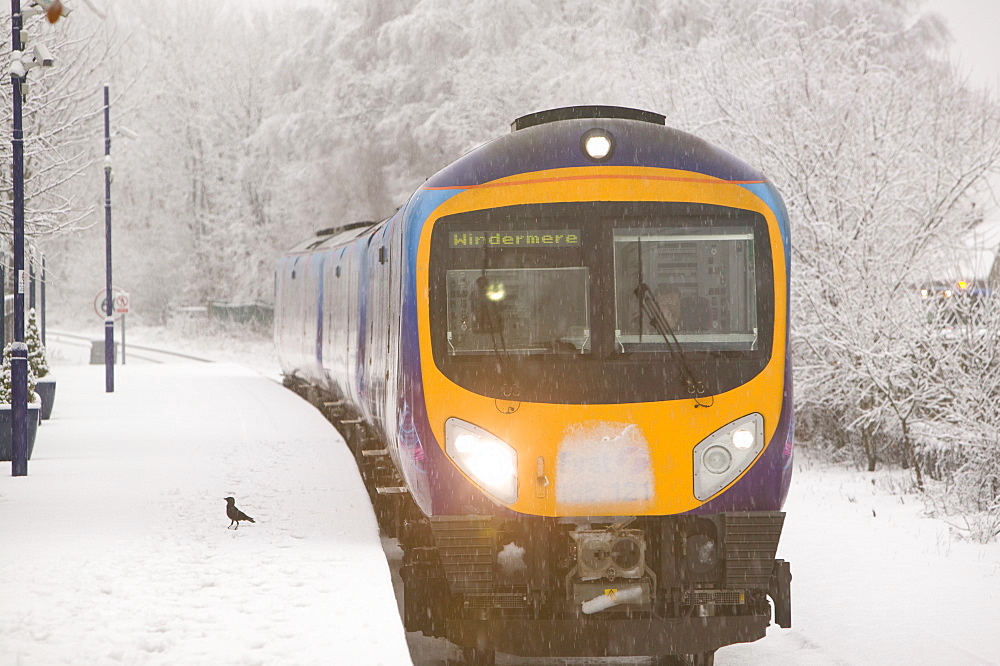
(490, 462)
(744, 438)
(726, 453)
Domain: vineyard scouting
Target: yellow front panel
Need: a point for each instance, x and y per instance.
(661, 480)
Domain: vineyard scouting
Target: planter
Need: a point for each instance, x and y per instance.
(7, 437)
(46, 390)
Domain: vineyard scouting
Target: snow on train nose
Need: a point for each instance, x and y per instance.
(606, 467)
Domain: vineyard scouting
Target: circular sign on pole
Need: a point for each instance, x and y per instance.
(120, 303)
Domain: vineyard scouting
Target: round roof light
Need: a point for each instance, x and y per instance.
(598, 145)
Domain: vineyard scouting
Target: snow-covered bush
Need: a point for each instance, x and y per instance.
(6, 387)
(969, 497)
(37, 359)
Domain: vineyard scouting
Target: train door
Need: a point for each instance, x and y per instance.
(317, 266)
(299, 296)
(280, 316)
(329, 322)
(338, 322)
(352, 303)
(393, 244)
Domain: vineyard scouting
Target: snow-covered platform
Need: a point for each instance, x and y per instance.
(114, 548)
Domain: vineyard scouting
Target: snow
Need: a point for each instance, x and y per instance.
(875, 582)
(115, 547)
(510, 559)
(589, 451)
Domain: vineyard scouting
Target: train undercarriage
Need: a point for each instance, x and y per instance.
(674, 587)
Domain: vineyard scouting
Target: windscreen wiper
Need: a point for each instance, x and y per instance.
(650, 307)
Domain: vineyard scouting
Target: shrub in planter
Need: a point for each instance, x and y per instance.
(6, 415)
(39, 364)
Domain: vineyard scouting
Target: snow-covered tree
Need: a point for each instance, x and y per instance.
(878, 149)
(5, 380)
(60, 113)
(37, 359)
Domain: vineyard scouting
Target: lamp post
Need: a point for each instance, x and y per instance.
(43, 299)
(19, 350)
(109, 319)
(32, 284)
(20, 64)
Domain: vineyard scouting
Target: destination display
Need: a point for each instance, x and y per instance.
(539, 238)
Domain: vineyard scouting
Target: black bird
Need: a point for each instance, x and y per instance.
(235, 514)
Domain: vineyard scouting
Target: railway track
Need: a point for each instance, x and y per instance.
(133, 352)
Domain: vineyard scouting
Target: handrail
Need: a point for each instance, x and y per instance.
(132, 346)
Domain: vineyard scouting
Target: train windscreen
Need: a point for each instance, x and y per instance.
(702, 279)
(521, 310)
(544, 299)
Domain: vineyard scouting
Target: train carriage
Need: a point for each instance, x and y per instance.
(563, 367)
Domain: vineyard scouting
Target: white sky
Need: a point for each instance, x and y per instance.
(976, 50)
(974, 25)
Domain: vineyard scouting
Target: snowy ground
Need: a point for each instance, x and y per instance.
(114, 548)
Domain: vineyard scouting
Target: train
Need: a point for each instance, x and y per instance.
(563, 369)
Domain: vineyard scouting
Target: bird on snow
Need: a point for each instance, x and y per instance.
(235, 514)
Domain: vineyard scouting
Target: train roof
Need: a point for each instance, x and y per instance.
(553, 139)
(580, 112)
(333, 236)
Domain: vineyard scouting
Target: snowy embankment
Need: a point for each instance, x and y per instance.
(875, 581)
(114, 548)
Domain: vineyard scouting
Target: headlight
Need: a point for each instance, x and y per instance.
(744, 438)
(717, 460)
(726, 453)
(489, 461)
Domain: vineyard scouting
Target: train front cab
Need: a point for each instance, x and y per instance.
(639, 544)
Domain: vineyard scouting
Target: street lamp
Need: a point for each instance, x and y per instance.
(109, 318)
(44, 277)
(20, 64)
(109, 312)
